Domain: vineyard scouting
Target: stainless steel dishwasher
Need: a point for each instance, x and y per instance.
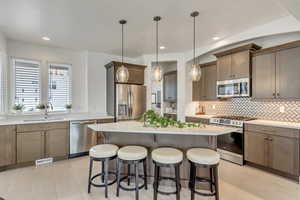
(81, 137)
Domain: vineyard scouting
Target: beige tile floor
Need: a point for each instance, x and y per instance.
(67, 180)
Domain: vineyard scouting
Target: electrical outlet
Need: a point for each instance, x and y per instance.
(281, 109)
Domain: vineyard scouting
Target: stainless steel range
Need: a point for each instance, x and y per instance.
(231, 146)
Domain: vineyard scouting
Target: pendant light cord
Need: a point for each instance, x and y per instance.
(156, 43)
(194, 42)
(122, 43)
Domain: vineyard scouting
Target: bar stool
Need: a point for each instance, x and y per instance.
(167, 157)
(103, 153)
(132, 155)
(204, 158)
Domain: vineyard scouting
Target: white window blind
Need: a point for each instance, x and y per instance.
(27, 83)
(59, 92)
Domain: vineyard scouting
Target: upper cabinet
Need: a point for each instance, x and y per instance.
(235, 63)
(170, 86)
(205, 88)
(136, 72)
(276, 72)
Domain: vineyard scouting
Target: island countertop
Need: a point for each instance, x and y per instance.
(138, 127)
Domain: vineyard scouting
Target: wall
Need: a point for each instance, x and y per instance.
(3, 66)
(46, 54)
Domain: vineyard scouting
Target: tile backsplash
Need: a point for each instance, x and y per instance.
(269, 109)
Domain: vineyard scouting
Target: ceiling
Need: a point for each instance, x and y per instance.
(93, 24)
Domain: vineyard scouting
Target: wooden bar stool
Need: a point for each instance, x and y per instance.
(102, 153)
(167, 157)
(132, 155)
(204, 158)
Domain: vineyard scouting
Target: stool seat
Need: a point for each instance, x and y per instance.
(203, 156)
(167, 155)
(132, 153)
(104, 151)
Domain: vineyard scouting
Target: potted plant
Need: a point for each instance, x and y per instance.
(41, 106)
(68, 107)
(18, 108)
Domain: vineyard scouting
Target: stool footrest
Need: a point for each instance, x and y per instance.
(131, 189)
(203, 180)
(103, 174)
(167, 193)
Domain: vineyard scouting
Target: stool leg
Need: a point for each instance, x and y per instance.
(193, 181)
(177, 172)
(128, 173)
(103, 171)
(145, 174)
(191, 175)
(211, 179)
(90, 175)
(106, 177)
(216, 177)
(119, 163)
(155, 183)
(136, 169)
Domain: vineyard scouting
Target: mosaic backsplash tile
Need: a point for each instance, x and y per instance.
(268, 109)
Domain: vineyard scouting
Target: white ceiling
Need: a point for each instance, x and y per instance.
(93, 24)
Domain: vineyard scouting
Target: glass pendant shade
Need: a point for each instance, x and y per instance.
(157, 73)
(196, 72)
(122, 74)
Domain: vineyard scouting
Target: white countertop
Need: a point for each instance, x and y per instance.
(138, 127)
(201, 116)
(13, 120)
(293, 125)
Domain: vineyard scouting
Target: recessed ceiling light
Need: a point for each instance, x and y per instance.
(216, 38)
(46, 38)
(162, 47)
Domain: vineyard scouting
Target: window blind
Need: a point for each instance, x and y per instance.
(59, 92)
(27, 84)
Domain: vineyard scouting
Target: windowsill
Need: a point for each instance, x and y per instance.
(38, 113)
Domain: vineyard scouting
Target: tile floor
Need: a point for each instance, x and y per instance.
(67, 180)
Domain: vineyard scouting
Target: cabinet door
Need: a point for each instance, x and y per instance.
(224, 68)
(170, 87)
(57, 143)
(240, 65)
(136, 75)
(256, 148)
(284, 154)
(263, 76)
(7, 145)
(288, 73)
(198, 88)
(30, 146)
(210, 82)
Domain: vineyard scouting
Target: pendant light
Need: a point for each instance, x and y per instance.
(195, 70)
(122, 74)
(157, 69)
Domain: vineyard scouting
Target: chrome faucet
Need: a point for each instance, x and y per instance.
(47, 106)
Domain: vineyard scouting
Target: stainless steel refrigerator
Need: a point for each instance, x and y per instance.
(130, 101)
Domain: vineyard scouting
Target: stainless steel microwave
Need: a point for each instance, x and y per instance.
(233, 88)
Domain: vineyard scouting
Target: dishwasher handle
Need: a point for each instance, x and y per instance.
(84, 122)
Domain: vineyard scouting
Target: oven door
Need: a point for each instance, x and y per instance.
(231, 142)
(228, 88)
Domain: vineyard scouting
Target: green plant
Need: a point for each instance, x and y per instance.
(18, 107)
(68, 106)
(41, 106)
(151, 118)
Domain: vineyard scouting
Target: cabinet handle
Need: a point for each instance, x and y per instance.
(278, 94)
(270, 139)
(265, 138)
(274, 94)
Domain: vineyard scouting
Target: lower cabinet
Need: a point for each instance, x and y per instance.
(272, 148)
(30, 146)
(197, 120)
(7, 145)
(57, 143)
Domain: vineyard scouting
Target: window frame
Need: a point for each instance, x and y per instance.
(69, 67)
(13, 82)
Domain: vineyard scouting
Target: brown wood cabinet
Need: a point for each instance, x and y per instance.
(57, 143)
(197, 120)
(205, 88)
(30, 146)
(276, 74)
(7, 145)
(172, 116)
(224, 68)
(276, 148)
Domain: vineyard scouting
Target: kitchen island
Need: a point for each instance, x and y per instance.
(135, 133)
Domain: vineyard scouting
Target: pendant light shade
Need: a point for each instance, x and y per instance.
(195, 69)
(157, 72)
(122, 74)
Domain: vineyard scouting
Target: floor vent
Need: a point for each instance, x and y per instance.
(42, 162)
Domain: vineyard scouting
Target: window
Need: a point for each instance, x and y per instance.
(27, 83)
(59, 93)
(2, 83)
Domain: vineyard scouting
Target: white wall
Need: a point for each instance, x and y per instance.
(46, 54)
(2, 43)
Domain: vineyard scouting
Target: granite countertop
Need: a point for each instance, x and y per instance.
(138, 127)
(201, 116)
(293, 125)
(13, 120)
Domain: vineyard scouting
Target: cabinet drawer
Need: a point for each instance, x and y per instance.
(31, 127)
(105, 120)
(57, 125)
(284, 132)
